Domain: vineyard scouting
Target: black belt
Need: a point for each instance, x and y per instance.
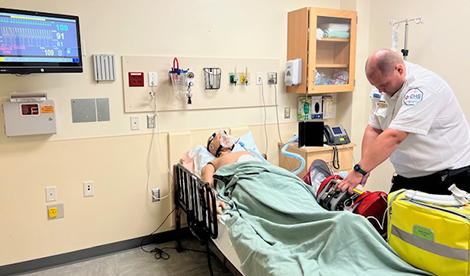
(457, 171)
(443, 174)
(436, 183)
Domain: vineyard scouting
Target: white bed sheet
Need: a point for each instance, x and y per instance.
(224, 244)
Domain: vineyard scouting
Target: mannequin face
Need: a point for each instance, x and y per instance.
(214, 144)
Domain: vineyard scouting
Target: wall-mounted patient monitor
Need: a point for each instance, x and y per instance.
(29, 114)
(39, 42)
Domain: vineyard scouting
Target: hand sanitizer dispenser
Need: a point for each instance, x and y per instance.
(293, 72)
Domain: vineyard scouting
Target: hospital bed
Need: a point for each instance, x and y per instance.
(192, 208)
(338, 249)
(194, 197)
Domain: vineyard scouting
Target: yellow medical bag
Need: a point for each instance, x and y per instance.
(431, 236)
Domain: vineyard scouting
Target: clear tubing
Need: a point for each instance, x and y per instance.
(294, 155)
(252, 151)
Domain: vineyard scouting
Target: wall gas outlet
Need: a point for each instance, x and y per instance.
(233, 77)
(51, 194)
(88, 188)
(156, 195)
(245, 78)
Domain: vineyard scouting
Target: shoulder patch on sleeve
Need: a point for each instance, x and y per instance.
(413, 96)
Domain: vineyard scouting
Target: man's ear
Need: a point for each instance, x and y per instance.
(400, 69)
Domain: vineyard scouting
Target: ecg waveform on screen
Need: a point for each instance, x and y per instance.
(26, 37)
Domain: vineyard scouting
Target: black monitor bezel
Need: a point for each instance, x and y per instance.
(44, 67)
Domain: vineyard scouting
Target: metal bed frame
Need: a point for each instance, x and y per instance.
(198, 200)
(194, 197)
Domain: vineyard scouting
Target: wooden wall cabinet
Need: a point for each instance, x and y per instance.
(328, 55)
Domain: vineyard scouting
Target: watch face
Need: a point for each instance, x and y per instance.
(356, 167)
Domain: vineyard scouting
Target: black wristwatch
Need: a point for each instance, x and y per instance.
(357, 168)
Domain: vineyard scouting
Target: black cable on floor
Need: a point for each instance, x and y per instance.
(142, 241)
(161, 254)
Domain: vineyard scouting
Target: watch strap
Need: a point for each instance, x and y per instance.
(358, 168)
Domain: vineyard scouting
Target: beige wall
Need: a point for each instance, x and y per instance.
(109, 153)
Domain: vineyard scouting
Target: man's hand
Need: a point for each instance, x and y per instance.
(364, 179)
(350, 182)
(219, 210)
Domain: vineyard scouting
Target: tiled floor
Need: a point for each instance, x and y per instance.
(137, 262)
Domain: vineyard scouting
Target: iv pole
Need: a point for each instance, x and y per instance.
(396, 24)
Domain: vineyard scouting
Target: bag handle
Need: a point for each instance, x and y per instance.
(326, 181)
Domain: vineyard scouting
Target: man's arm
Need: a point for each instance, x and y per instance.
(377, 152)
(207, 174)
(370, 134)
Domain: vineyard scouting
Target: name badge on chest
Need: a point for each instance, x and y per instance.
(382, 103)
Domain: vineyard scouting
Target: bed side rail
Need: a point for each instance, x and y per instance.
(196, 198)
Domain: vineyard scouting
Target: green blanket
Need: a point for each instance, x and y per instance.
(277, 228)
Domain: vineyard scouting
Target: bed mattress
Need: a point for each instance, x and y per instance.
(224, 244)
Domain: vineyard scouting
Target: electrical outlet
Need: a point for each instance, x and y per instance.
(153, 82)
(259, 78)
(151, 121)
(272, 78)
(55, 211)
(286, 112)
(88, 188)
(51, 194)
(156, 195)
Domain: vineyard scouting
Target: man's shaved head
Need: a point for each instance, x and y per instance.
(386, 70)
(383, 60)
